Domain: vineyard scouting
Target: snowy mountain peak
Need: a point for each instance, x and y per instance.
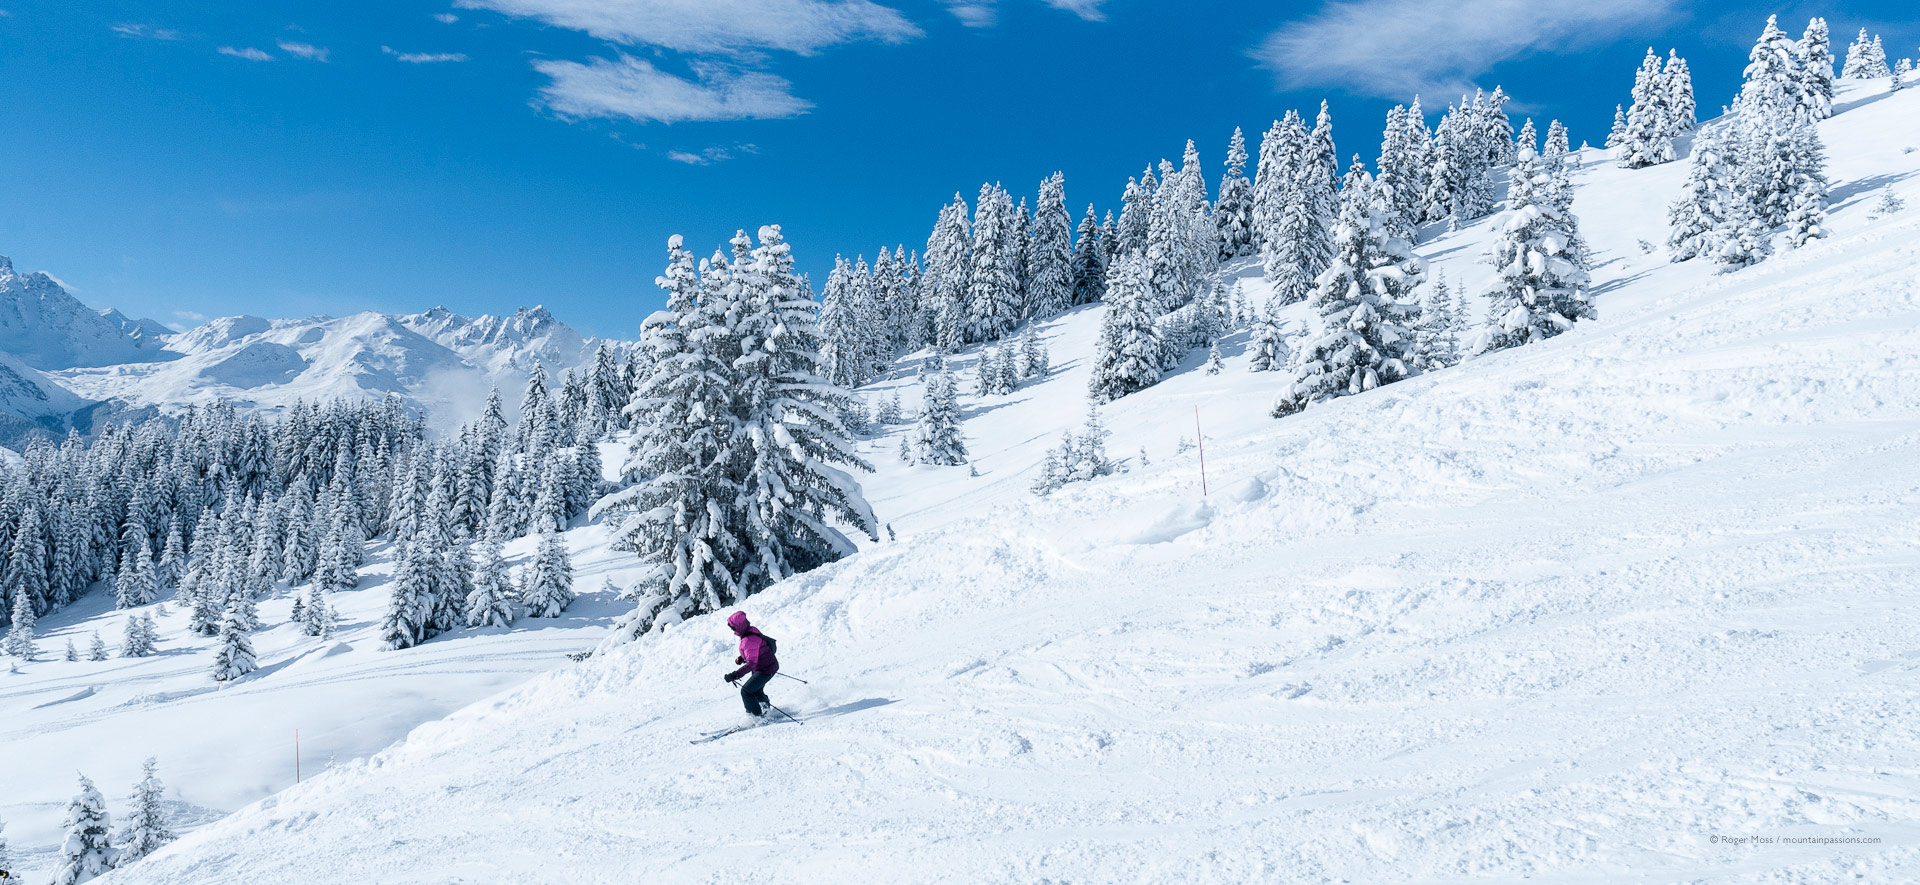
(45, 327)
(142, 328)
(505, 344)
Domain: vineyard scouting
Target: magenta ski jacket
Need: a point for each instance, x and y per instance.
(754, 648)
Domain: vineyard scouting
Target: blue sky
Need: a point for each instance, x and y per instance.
(290, 158)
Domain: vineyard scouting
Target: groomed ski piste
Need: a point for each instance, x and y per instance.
(1614, 606)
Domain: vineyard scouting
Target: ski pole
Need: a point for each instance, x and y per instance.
(784, 713)
(794, 678)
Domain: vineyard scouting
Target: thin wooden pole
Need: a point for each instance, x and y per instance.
(1202, 442)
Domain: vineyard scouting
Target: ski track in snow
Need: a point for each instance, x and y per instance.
(1569, 612)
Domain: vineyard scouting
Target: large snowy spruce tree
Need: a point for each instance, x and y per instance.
(1540, 287)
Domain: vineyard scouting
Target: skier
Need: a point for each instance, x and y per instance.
(756, 657)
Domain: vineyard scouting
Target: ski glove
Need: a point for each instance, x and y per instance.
(732, 678)
(741, 659)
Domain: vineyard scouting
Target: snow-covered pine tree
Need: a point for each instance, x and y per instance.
(679, 515)
(96, 648)
(490, 604)
(936, 437)
(1127, 353)
(1033, 358)
(1050, 270)
(87, 852)
(235, 657)
(1528, 139)
(1284, 217)
(173, 559)
(20, 642)
(948, 277)
(1089, 261)
(1866, 59)
(1648, 139)
(841, 359)
(71, 654)
(410, 601)
(1901, 72)
(318, 618)
(1357, 341)
(1089, 447)
(1705, 202)
(1268, 340)
(546, 585)
(1233, 210)
(27, 561)
(1557, 147)
(993, 295)
(137, 641)
(1617, 136)
(1048, 478)
(1214, 364)
(1541, 283)
(1814, 51)
(146, 829)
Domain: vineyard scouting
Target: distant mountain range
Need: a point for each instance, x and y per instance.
(65, 365)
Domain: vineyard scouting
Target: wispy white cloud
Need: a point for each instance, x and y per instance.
(634, 89)
(190, 317)
(423, 58)
(986, 13)
(145, 32)
(1394, 48)
(709, 156)
(445, 18)
(306, 51)
(718, 26)
(249, 53)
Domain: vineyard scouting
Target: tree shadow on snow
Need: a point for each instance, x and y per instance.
(854, 707)
(1854, 191)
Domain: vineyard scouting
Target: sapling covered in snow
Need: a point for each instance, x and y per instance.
(140, 639)
(20, 642)
(1888, 205)
(146, 829)
(88, 851)
(96, 648)
(318, 618)
(1866, 59)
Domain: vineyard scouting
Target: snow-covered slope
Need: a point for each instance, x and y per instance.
(43, 326)
(1574, 612)
(501, 345)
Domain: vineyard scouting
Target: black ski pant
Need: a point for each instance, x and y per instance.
(754, 693)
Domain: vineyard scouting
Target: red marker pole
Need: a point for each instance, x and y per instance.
(1202, 442)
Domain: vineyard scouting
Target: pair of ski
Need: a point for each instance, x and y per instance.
(769, 720)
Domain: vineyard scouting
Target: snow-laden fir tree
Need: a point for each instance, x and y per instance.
(1676, 89)
(1437, 336)
(1540, 287)
(936, 436)
(96, 648)
(994, 303)
(173, 558)
(546, 584)
(788, 438)
(410, 597)
(1233, 210)
(1089, 261)
(1617, 136)
(140, 639)
(1050, 256)
(146, 829)
(680, 514)
(20, 642)
(1088, 448)
(1047, 480)
(1357, 339)
(235, 657)
(1267, 342)
(1273, 179)
(71, 654)
(1814, 52)
(88, 851)
(947, 277)
(1528, 139)
(1866, 59)
(840, 328)
(318, 618)
(1214, 363)
(1035, 361)
(1648, 138)
(1705, 204)
(1127, 353)
(490, 603)
(1901, 73)
(27, 561)
(139, 585)
(1284, 217)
